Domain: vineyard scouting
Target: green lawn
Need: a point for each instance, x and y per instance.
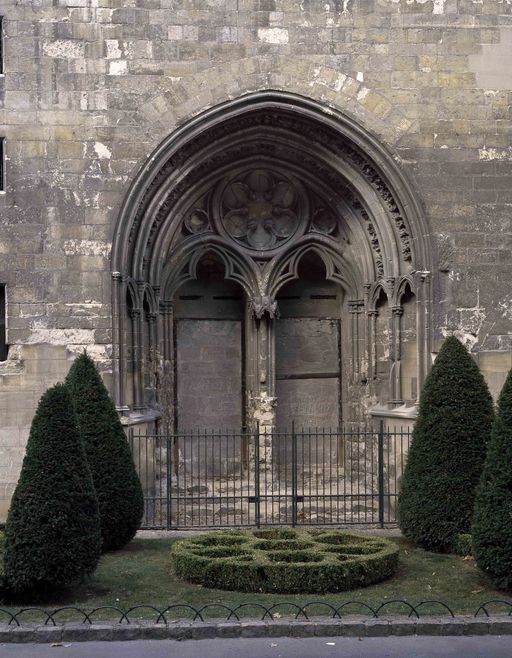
(141, 573)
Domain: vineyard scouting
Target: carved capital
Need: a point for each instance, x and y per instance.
(261, 305)
(397, 311)
(166, 307)
(355, 305)
(424, 276)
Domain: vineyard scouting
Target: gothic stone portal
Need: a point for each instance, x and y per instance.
(267, 272)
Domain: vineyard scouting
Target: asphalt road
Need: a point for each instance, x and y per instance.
(327, 647)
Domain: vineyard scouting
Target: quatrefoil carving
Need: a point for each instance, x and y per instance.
(258, 209)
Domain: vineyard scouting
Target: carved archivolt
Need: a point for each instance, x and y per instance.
(260, 183)
(278, 136)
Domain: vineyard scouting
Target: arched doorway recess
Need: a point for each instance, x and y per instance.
(282, 241)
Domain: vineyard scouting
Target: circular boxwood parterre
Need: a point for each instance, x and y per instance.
(284, 561)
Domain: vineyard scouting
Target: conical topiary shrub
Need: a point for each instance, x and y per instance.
(118, 488)
(52, 535)
(446, 455)
(492, 529)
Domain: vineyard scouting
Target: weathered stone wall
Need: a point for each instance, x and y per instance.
(91, 87)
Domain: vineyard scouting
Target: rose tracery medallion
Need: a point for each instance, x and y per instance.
(260, 209)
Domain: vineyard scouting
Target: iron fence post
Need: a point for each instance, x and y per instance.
(257, 475)
(169, 478)
(381, 472)
(294, 476)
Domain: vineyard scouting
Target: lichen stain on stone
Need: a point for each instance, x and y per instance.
(102, 151)
(438, 6)
(495, 154)
(100, 354)
(505, 307)
(87, 248)
(75, 340)
(40, 333)
(471, 322)
(275, 35)
(86, 309)
(113, 51)
(64, 49)
(118, 67)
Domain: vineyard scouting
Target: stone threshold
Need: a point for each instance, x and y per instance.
(181, 630)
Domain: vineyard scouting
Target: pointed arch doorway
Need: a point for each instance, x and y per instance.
(271, 266)
(315, 239)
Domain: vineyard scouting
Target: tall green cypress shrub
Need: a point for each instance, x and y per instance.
(52, 534)
(447, 452)
(118, 488)
(492, 529)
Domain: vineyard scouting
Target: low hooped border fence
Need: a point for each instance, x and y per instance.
(271, 613)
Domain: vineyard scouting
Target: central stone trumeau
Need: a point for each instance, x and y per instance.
(258, 209)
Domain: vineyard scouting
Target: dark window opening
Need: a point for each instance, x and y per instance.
(4, 348)
(227, 297)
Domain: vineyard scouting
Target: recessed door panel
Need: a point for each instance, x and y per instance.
(209, 374)
(308, 372)
(309, 402)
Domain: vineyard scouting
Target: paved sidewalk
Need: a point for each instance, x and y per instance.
(317, 647)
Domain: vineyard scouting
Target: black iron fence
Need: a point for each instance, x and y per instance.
(208, 479)
(249, 609)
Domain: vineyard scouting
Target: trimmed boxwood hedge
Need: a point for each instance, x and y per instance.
(492, 529)
(52, 534)
(119, 492)
(284, 561)
(2, 544)
(446, 456)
